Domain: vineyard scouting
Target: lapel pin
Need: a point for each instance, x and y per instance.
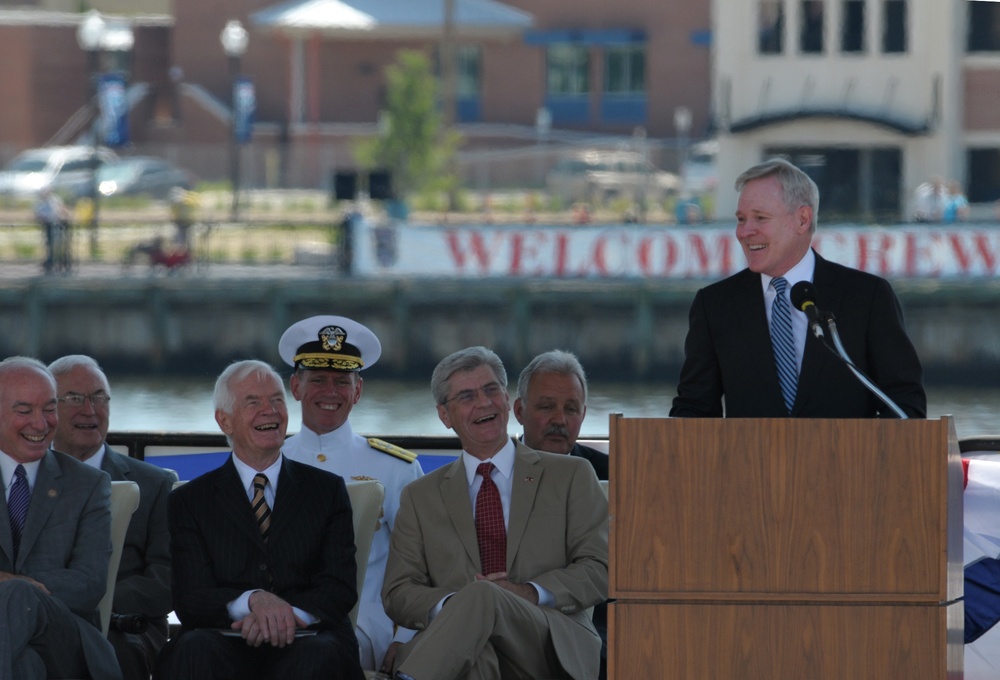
(53, 493)
(529, 479)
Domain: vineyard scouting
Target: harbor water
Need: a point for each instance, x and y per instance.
(405, 408)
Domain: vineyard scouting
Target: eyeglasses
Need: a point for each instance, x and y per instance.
(97, 400)
(465, 397)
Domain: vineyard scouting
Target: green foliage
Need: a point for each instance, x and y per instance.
(413, 144)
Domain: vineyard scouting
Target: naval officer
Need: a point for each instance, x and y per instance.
(328, 353)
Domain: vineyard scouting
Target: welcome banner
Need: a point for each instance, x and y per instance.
(636, 251)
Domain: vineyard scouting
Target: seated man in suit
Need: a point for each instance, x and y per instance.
(263, 553)
(497, 558)
(551, 405)
(142, 593)
(747, 347)
(55, 540)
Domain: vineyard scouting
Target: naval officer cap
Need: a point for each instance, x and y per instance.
(333, 343)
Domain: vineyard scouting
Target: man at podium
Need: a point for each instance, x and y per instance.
(750, 353)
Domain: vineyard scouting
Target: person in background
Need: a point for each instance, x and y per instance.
(739, 363)
(931, 200)
(328, 354)
(551, 405)
(55, 540)
(53, 217)
(498, 557)
(263, 553)
(957, 207)
(142, 592)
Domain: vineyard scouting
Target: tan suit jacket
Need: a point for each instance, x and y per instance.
(435, 553)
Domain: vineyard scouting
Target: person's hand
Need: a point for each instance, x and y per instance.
(390, 658)
(525, 590)
(6, 576)
(270, 621)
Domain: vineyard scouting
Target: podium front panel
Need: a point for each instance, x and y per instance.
(787, 509)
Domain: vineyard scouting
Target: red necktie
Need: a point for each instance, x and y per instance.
(489, 524)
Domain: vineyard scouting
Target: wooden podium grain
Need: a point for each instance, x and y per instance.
(785, 548)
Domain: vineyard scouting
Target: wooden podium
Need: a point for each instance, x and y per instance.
(785, 548)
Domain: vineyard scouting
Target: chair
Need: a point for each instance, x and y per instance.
(604, 486)
(366, 502)
(124, 501)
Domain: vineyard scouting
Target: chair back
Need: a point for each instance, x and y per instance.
(124, 501)
(604, 486)
(366, 502)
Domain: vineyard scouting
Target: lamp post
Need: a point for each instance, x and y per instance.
(95, 36)
(682, 124)
(234, 41)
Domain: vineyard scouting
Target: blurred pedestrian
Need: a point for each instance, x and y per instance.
(53, 217)
(956, 208)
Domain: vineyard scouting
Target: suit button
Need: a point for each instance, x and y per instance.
(262, 567)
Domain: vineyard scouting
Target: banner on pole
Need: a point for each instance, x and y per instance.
(244, 107)
(113, 108)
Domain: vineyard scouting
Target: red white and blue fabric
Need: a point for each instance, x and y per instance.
(982, 569)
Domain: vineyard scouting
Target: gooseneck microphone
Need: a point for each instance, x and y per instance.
(803, 297)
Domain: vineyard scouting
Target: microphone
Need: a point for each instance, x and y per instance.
(804, 299)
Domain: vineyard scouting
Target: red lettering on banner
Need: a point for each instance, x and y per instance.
(980, 245)
(651, 245)
(603, 248)
(524, 252)
(920, 250)
(480, 253)
(873, 254)
(701, 264)
(561, 255)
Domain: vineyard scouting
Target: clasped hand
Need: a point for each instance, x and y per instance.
(270, 621)
(525, 590)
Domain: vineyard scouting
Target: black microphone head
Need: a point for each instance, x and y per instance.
(803, 295)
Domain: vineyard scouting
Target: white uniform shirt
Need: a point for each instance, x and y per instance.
(349, 455)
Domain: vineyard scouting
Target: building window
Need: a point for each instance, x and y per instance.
(468, 59)
(568, 70)
(984, 27)
(983, 171)
(894, 31)
(625, 70)
(772, 27)
(852, 31)
(811, 36)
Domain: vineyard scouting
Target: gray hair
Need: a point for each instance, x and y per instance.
(797, 187)
(65, 364)
(467, 359)
(223, 396)
(555, 361)
(18, 363)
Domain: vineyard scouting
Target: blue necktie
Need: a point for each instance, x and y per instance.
(783, 343)
(17, 506)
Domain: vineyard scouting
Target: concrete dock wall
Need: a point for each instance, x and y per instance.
(622, 330)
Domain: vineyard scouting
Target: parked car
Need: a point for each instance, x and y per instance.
(136, 175)
(64, 169)
(601, 175)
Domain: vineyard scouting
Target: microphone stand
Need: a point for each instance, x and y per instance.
(831, 324)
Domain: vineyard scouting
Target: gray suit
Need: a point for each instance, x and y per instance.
(143, 585)
(66, 546)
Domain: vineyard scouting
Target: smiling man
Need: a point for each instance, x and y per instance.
(496, 558)
(263, 553)
(143, 586)
(328, 354)
(55, 540)
(735, 347)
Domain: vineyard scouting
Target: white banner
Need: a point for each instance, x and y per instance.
(637, 251)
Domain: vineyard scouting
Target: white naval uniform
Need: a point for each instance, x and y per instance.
(349, 455)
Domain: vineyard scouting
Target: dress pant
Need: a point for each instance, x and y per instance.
(39, 637)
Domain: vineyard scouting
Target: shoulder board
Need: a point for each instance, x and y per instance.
(391, 449)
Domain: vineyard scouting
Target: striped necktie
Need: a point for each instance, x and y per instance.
(17, 507)
(260, 508)
(783, 343)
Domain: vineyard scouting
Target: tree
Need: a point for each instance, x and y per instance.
(412, 143)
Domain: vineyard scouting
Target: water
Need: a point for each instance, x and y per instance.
(398, 408)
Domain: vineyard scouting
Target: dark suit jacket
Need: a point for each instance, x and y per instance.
(728, 352)
(557, 537)
(218, 552)
(598, 459)
(143, 585)
(66, 545)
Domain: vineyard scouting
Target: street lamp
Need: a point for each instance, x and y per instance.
(95, 36)
(234, 41)
(682, 124)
